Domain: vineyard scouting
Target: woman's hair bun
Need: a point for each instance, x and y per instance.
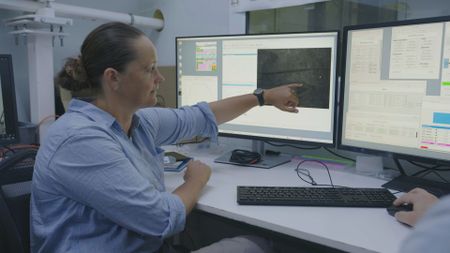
(73, 76)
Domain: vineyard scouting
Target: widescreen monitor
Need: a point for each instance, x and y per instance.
(217, 67)
(396, 93)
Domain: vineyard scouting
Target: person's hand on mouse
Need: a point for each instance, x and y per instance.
(421, 201)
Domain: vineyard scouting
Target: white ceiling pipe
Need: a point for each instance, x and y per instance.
(107, 15)
(19, 5)
(83, 12)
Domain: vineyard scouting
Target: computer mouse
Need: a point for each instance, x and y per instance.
(394, 209)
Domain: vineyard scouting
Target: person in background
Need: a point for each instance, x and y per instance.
(98, 183)
(430, 218)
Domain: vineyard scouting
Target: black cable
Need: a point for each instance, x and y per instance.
(16, 147)
(419, 172)
(292, 146)
(425, 172)
(305, 172)
(311, 148)
(423, 166)
(244, 156)
(9, 149)
(434, 167)
(435, 173)
(307, 175)
(445, 169)
(399, 166)
(338, 155)
(439, 175)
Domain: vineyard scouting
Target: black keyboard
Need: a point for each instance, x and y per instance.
(407, 183)
(314, 196)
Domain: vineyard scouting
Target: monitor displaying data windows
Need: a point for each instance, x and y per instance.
(396, 92)
(218, 67)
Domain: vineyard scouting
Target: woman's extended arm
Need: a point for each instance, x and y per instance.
(282, 97)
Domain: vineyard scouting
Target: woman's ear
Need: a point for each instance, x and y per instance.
(112, 78)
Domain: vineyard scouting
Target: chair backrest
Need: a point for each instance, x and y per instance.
(15, 189)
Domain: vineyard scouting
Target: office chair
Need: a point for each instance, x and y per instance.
(15, 191)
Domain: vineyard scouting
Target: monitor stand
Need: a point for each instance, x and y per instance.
(267, 161)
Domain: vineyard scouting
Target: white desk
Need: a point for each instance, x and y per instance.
(348, 229)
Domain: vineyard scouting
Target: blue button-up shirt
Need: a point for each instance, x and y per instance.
(97, 190)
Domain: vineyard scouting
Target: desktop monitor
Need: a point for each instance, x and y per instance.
(8, 117)
(395, 97)
(210, 68)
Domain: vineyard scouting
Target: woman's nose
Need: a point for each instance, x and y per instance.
(160, 77)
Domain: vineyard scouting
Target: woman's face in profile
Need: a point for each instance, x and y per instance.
(142, 78)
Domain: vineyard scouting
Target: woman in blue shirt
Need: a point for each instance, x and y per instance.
(98, 182)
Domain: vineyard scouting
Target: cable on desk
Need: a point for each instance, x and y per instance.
(305, 172)
(15, 147)
(423, 166)
(429, 169)
(3, 153)
(244, 156)
(338, 155)
(434, 168)
(292, 146)
(439, 169)
(311, 148)
(425, 172)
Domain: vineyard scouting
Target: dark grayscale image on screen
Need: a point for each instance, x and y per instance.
(309, 66)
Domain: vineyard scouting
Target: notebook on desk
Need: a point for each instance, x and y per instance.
(175, 162)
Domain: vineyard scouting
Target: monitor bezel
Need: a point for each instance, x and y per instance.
(9, 100)
(272, 139)
(340, 145)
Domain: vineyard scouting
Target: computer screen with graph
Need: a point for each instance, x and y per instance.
(396, 92)
(216, 67)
